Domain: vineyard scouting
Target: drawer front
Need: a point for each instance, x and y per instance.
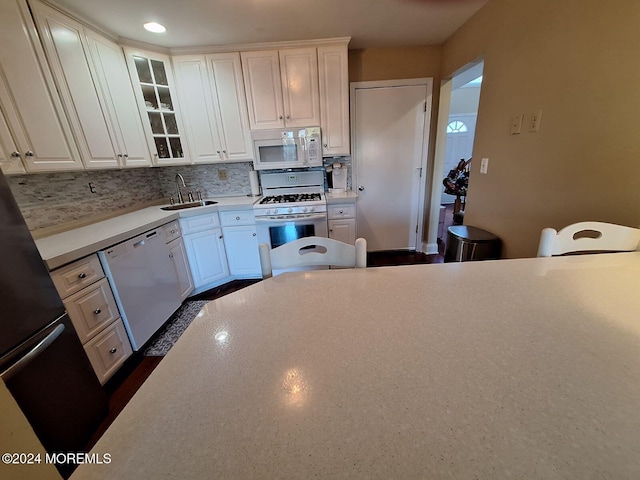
(92, 309)
(199, 223)
(240, 217)
(77, 275)
(108, 350)
(342, 211)
(172, 230)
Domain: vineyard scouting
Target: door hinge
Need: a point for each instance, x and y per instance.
(425, 107)
(416, 228)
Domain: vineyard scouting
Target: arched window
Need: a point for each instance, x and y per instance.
(456, 127)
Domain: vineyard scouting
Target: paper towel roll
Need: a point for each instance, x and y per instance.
(253, 180)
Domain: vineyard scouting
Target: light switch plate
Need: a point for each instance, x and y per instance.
(516, 124)
(534, 125)
(484, 165)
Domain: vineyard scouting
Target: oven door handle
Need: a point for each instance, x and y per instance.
(316, 216)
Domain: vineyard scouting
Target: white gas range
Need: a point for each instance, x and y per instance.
(294, 206)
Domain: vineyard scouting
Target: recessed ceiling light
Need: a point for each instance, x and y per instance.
(154, 27)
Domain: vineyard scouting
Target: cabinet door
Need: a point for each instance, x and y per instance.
(343, 230)
(299, 73)
(29, 100)
(241, 244)
(263, 87)
(183, 272)
(153, 83)
(231, 105)
(333, 72)
(62, 40)
(193, 86)
(207, 258)
(10, 161)
(114, 86)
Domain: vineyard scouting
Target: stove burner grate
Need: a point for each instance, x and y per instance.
(291, 198)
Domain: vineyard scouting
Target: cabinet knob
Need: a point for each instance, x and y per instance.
(340, 211)
(218, 152)
(361, 188)
(126, 156)
(237, 218)
(82, 275)
(325, 145)
(220, 237)
(119, 155)
(97, 311)
(15, 154)
(280, 117)
(254, 234)
(113, 350)
(288, 117)
(171, 255)
(29, 153)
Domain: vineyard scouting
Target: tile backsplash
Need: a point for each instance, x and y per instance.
(50, 199)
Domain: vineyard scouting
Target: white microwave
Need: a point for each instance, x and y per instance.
(287, 148)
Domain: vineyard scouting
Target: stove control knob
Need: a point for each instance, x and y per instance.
(289, 210)
(312, 209)
(275, 211)
(304, 209)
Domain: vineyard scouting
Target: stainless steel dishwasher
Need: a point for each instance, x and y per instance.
(144, 283)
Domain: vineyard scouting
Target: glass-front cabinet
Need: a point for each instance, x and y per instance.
(157, 100)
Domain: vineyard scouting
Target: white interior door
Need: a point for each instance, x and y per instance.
(389, 139)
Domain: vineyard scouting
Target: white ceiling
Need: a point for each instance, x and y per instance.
(190, 23)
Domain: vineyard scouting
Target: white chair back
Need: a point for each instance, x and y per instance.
(573, 238)
(300, 253)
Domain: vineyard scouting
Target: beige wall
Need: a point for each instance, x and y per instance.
(577, 61)
(394, 63)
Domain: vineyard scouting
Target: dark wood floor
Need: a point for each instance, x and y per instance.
(126, 382)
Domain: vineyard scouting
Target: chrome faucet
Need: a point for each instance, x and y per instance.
(178, 180)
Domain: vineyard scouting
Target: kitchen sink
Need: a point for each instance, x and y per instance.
(182, 206)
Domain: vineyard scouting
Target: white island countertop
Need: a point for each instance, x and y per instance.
(526, 368)
(59, 249)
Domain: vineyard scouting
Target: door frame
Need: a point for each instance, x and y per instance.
(427, 82)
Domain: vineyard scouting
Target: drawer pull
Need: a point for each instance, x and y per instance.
(341, 211)
(97, 311)
(82, 275)
(237, 218)
(113, 350)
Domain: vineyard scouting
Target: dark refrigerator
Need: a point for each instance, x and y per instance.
(42, 361)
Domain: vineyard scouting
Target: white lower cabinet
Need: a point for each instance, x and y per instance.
(204, 245)
(178, 256)
(342, 222)
(89, 301)
(241, 243)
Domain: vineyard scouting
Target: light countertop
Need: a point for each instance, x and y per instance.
(526, 368)
(341, 197)
(57, 250)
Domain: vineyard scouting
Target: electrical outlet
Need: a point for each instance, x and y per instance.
(222, 174)
(534, 125)
(484, 165)
(516, 124)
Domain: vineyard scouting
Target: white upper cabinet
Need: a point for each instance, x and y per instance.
(32, 110)
(282, 88)
(333, 72)
(10, 161)
(114, 83)
(152, 78)
(89, 73)
(211, 94)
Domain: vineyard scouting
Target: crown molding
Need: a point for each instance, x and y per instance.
(244, 47)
